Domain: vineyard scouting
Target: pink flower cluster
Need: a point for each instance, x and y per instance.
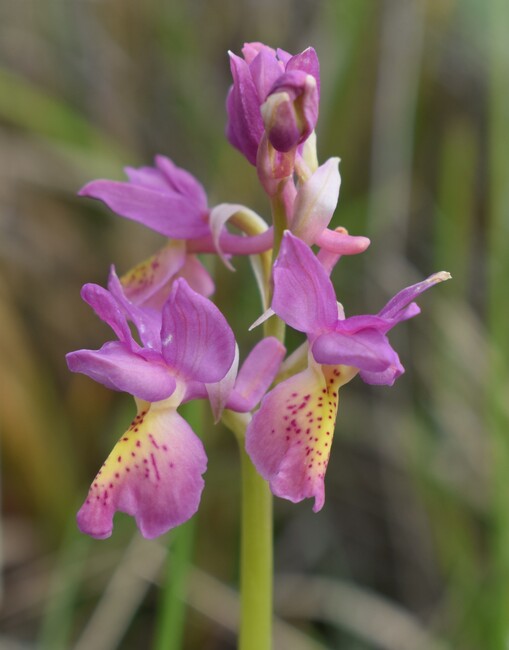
(185, 349)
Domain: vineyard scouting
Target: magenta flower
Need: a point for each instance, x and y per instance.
(172, 202)
(275, 93)
(148, 284)
(154, 472)
(313, 207)
(290, 436)
(165, 198)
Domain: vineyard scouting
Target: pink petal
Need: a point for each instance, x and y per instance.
(393, 310)
(265, 69)
(197, 340)
(303, 294)
(283, 56)
(367, 349)
(197, 276)
(282, 124)
(290, 112)
(116, 367)
(167, 212)
(341, 243)
(219, 217)
(144, 283)
(289, 438)
(183, 182)
(385, 378)
(219, 391)
(245, 126)
(256, 375)
(251, 50)
(109, 311)
(154, 474)
(307, 61)
(146, 320)
(147, 176)
(316, 201)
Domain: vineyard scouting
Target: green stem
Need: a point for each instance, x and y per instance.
(256, 555)
(275, 326)
(279, 221)
(256, 562)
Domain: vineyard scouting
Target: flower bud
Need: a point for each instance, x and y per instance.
(274, 93)
(290, 111)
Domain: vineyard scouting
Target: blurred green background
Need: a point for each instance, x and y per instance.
(411, 551)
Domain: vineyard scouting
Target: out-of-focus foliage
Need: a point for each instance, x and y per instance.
(412, 548)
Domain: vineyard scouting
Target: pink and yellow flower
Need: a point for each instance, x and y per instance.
(290, 436)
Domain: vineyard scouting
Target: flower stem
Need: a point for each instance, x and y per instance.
(256, 564)
(256, 555)
(279, 221)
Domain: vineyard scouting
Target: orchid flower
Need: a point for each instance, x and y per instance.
(273, 93)
(289, 438)
(172, 202)
(312, 208)
(148, 284)
(154, 472)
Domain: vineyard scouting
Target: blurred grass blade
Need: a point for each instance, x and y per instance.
(172, 607)
(58, 618)
(27, 107)
(498, 274)
(454, 223)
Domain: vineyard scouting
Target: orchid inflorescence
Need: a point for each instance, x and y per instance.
(185, 349)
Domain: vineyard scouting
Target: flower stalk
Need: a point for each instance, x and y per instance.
(256, 559)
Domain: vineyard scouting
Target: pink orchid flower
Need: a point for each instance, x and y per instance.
(154, 472)
(290, 436)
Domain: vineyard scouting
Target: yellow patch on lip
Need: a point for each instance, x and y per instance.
(153, 274)
(133, 453)
(137, 453)
(310, 418)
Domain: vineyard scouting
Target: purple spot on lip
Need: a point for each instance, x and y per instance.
(154, 464)
(153, 441)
